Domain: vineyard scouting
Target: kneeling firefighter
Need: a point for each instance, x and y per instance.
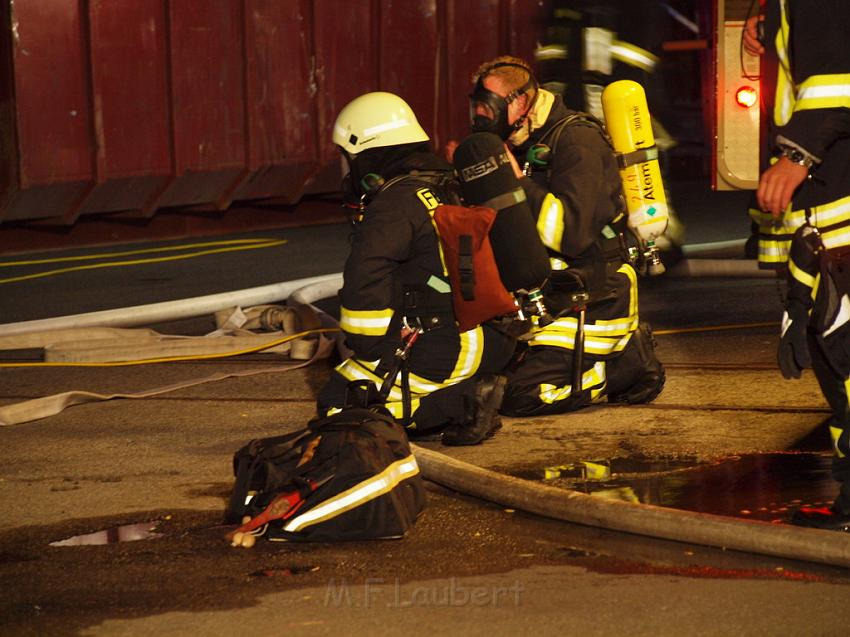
(596, 347)
(396, 287)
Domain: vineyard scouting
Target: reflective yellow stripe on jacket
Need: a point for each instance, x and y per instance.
(784, 106)
(775, 234)
(550, 222)
(801, 275)
(633, 55)
(817, 91)
(365, 322)
(824, 91)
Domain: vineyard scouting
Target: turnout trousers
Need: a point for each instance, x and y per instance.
(618, 355)
(442, 371)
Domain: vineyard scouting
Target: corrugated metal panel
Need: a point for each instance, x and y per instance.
(133, 105)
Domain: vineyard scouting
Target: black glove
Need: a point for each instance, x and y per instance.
(793, 353)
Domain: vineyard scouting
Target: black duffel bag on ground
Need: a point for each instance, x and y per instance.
(350, 476)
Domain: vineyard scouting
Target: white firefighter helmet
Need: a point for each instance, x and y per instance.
(375, 120)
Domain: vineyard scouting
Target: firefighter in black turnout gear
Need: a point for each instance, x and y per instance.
(588, 45)
(396, 285)
(595, 348)
(804, 201)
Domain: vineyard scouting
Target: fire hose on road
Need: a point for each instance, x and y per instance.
(811, 545)
(826, 547)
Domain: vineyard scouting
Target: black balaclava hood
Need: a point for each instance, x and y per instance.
(370, 168)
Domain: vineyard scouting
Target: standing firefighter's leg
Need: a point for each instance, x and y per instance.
(831, 364)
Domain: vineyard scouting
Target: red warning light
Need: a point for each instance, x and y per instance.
(746, 96)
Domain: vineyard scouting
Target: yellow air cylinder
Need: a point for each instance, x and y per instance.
(628, 122)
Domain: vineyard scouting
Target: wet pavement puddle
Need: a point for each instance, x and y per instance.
(767, 487)
(114, 535)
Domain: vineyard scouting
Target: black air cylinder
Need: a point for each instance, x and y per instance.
(487, 179)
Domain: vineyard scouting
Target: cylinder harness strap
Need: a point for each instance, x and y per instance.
(624, 160)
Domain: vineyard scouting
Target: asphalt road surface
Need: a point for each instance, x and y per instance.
(467, 567)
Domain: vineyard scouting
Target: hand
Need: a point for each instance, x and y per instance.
(751, 40)
(514, 164)
(777, 185)
(451, 147)
(793, 353)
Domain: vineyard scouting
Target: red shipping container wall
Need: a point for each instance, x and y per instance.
(129, 106)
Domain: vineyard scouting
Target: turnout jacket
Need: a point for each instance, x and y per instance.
(578, 195)
(396, 270)
(806, 70)
(578, 205)
(395, 261)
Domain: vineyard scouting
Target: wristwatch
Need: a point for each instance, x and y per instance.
(797, 156)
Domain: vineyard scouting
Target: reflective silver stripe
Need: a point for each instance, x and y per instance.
(469, 357)
(597, 49)
(391, 125)
(633, 55)
(831, 213)
(355, 369)
(785, 324)
(784, 106)
(824, 91)
(836, 238)
(598, 346)
(594, 377)
(467, 364)
(789, 222)
(615, 327)
(630, 273)
(775, 250)
(359, 494)
(551, 52)
(841, 318)
(366, 322)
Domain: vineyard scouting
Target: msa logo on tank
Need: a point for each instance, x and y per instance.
(485, 167)
(428, 198)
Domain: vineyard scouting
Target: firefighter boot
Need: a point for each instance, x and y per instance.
(830, 519)
(649, 375)
(489, 391)
(834, 518)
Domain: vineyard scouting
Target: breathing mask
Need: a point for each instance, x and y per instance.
(488, 111)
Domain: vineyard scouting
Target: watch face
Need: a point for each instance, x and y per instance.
(796, 156)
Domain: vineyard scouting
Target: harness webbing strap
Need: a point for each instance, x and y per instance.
(467, 274)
